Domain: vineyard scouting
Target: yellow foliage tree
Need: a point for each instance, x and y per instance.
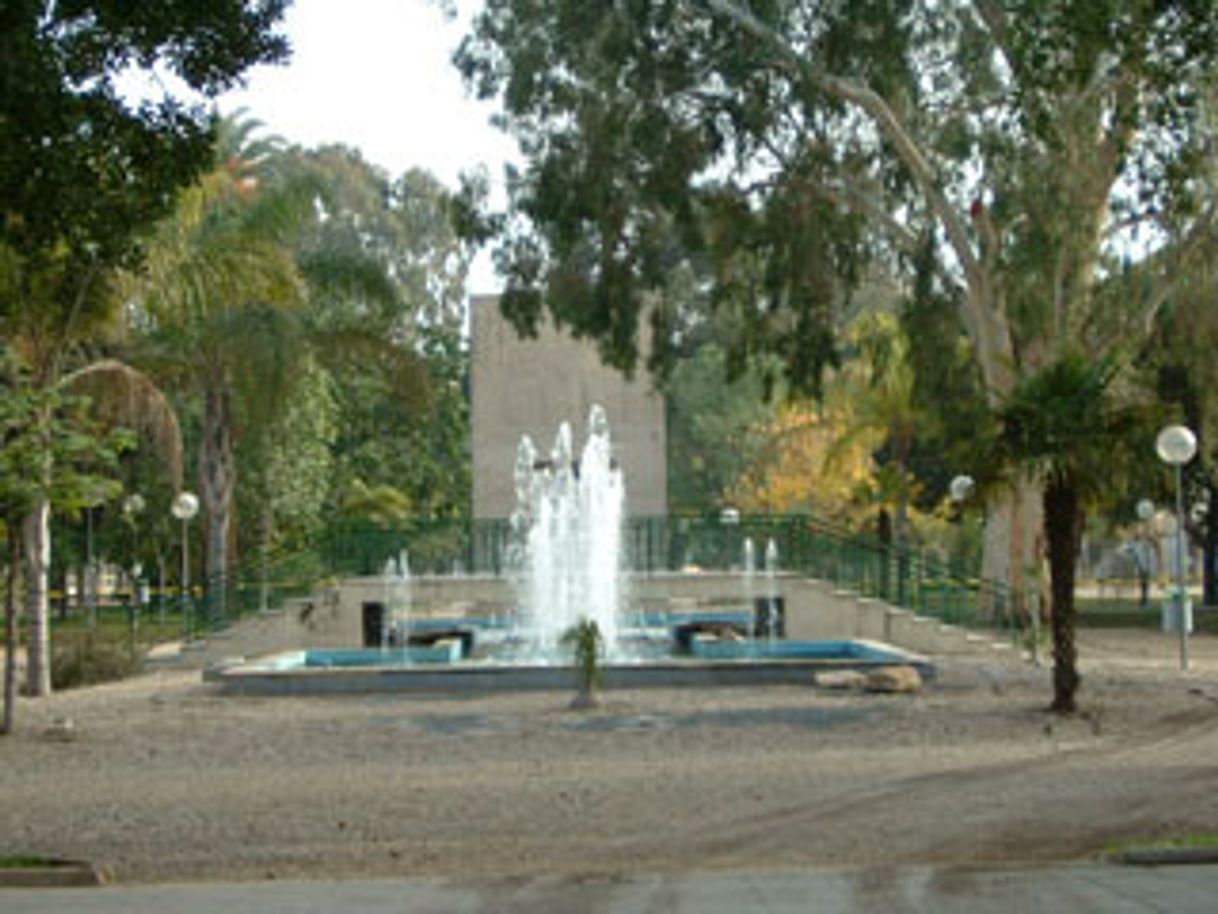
(795, 473)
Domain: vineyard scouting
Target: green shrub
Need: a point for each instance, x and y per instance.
(585, 639)
(89, 657)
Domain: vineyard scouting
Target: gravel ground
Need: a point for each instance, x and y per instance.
(160, 778)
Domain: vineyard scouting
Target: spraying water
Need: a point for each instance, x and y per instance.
(395, 583)
(749, 576)
(388, 574)
(771, 589)
(568, 531)
(403, 595)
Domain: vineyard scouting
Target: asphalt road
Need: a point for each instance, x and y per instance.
(1111, 889)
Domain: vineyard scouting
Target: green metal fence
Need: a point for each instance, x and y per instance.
(916, 579)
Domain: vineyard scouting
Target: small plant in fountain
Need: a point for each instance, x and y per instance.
(586, 642)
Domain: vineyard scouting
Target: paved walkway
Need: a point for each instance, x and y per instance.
(1085, 887)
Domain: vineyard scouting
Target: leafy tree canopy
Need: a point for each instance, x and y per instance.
(803, 468)
(80, 167)
(386, 274)
(788, 144)
(85, 455)
(400, 228)
(715, 429)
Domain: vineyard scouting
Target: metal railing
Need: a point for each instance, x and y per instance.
(916, 579)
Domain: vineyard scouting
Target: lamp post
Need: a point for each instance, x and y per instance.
(133, 506)
(185, 506)
(95, 496)
(1176, 446)
(960, 490)
(1142, 550)
(90, 573)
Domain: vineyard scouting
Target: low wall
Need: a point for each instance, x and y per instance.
(815, 611)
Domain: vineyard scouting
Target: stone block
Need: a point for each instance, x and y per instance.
(898, 679)
(840, 679)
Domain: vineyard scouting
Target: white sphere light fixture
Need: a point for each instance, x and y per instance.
(961, 487)
(1176, 445)
(185, 506)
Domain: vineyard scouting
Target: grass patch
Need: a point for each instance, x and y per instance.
(1109, 612)
(27, 862)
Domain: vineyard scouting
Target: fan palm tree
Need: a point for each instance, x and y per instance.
(1072, 429)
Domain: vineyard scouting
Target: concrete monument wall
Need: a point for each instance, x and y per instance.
(529, 386)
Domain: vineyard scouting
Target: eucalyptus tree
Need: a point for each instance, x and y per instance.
(789, 144)
(386, 273)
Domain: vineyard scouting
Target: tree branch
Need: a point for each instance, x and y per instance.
(994, 18)
(884, 118)
(1173, 263)
(859, 201)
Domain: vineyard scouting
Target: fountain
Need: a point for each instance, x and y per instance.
(568, 530)
(566, 566)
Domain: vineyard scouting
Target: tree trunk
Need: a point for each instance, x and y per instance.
(1012, 545)
(218, 477)
(36, 539)
(1063, 528)
(1011, 553)
(266, 529)
(11, 608)
(1209, 550)
(901, 529)
(884, 534)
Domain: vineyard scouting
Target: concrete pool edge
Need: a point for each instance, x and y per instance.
(272, 675)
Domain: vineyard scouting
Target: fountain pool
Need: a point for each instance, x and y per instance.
(441, 671)
(566, 567)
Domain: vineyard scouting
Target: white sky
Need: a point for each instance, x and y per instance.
(376, 75)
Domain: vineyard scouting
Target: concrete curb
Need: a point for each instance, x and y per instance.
(53, 874)
(1167, 856)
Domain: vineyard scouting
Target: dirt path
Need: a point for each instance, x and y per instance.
(164, 779)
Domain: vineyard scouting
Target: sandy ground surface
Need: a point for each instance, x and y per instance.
(165, 779)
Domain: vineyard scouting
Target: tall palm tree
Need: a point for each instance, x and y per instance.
(227, 304)
(219, 303)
